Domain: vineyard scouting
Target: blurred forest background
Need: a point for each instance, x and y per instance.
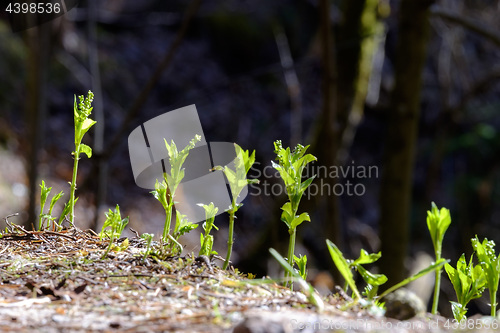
(408, 86)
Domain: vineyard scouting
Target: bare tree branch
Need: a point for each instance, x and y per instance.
(471, 24)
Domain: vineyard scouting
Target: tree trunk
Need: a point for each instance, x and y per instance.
(356, 44)
(346, 74)
(38, 49)
(396, 182)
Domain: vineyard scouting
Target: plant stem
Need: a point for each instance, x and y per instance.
(175, 242)
(437, 285)
(437, 282)
(291, 248)
(168, 220)
(73, 185)
(111, 240)
(493, 301)
(230, 240)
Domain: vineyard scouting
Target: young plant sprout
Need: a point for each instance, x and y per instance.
(149, 239)
(182, 226)
(343, 266)
(373, 281)
(165, 191)
(301, 264)
(237, 181)
(469, 283)
(207, 240)
(113, 228)
(65, 213)
(490, 263)
(82, 124)
(307, 288)
(438, 222)
(45, 191)
(290, 167)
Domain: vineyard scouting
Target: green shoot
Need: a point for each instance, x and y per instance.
(373, 280)
(64, 214)
(161, 194)
(438, 222)
(237, 181)
(165, 191)
(343, 266)
(149, 239)
(53, 202)
(309, 291)
(469, 283)
(207, 240)
(45, 191)
(290, 167)
(113, 227)
(490, 264)
(82, 124)
(301, 263)
(182, 226)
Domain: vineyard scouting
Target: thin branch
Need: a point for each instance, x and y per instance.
(471, 24)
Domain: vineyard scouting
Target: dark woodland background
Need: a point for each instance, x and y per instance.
(409, 86)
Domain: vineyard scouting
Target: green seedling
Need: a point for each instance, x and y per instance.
(290, 167)
(469, 283)
(45, 191)
(182, 226)
(307, 288)
(345, 266)
(438, 222)
(65, 213)
(113, 228)
(207, 240)
(301, 264)
(165, 191)
(237, 179)
(82, 124)
(373, 280)
(490, 263)
(54, 200)
(149, 239)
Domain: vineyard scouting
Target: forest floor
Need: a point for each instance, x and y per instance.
(60, 282)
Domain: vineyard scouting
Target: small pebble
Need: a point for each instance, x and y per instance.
(187, 312)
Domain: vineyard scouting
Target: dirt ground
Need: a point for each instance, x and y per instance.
(60, 282)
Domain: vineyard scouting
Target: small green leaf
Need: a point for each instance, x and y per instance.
(301, 263)
(458, 310)
(366, 258)
(210, 210)
(87, 124)
(438, 222)
(370, 278)
(306, 184)
(343, 266)
(86, 149)
(54, 200)
(299, 219)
